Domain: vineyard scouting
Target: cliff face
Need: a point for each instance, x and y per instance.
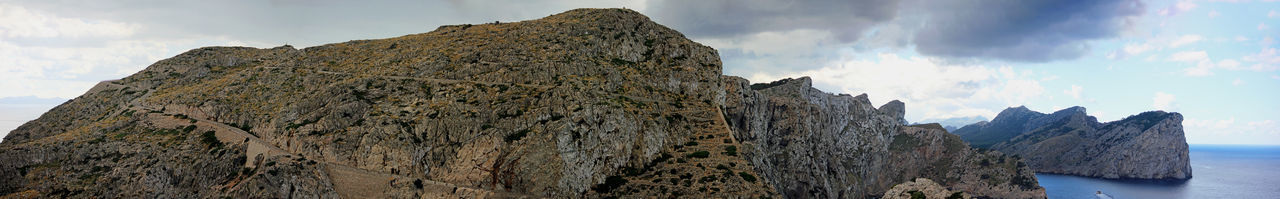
(588, 103)
(1150, 145)
(814, 144)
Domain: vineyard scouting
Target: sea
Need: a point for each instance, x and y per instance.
(1218, 171)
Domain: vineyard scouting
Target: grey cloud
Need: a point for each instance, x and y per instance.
(1000, 29)
(727, 18)
(1017, 30)
(298, 22)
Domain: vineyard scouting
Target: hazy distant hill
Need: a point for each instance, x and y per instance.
(951, 124)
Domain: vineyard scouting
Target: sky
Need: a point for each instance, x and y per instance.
(1213, 61)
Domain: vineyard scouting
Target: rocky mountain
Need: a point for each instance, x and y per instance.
(814, 144)
(1150, 145)
(588, 103)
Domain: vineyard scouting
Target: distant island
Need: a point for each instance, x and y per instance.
(1147, 146)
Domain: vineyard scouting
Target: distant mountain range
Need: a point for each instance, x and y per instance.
(1149, 146)
(951, 124)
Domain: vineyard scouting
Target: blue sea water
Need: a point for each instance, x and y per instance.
(1218, 171)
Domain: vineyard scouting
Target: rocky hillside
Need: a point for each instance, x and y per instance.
(588, 103)
(1149, 145)
(814, 144)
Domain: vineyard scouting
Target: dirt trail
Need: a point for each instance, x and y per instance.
(349, 182)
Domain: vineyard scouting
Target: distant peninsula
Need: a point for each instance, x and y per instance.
(1147, 146)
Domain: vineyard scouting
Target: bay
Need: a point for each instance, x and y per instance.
(1218, 171)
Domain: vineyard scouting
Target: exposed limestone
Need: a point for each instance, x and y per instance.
(813, 144)
(922, 187)
(1147, 146)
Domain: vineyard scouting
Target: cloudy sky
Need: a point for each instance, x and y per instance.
(1214, 61)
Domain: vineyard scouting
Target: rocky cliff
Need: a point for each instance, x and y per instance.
(588, 103)
(1149, 145)
(814, 144)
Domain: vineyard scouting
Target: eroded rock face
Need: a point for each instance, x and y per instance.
(549, 107)
(922, 187)
(812, 144)
(1147, 146)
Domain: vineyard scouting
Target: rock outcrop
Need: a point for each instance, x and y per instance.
(1147, 146)
(589, 103)
(922, 188)
(814, 144)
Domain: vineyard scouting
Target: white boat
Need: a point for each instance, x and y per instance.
(1103, 195)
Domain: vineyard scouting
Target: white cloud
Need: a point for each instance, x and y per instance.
(1134, 49)
(1237, 82)
(1241, 38)
(1074, 92)
(1163, 101)
(802, 41)
(1275, 77)
(1264, 61)
(1131, 49)
(1231, 131)
(32, 65)
(1177, 8)
(1189, 56)
(1204, 66)
(1184, 40)
(18, 22)
(1273, 14)
(1267, 41)
(1229, 64)
(1214, 13)
(1154, 44)
(1185, 6)
(933, 89)
(1263, 26)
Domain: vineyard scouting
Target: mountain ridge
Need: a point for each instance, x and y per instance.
(586, 103)
(1146, 146)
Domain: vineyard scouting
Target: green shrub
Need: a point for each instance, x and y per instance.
(517, 136)
(698, 154)
(210, 139)
(747, 176)
(610, 183)
(916, 194)
(304, 123)
(731, 150)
